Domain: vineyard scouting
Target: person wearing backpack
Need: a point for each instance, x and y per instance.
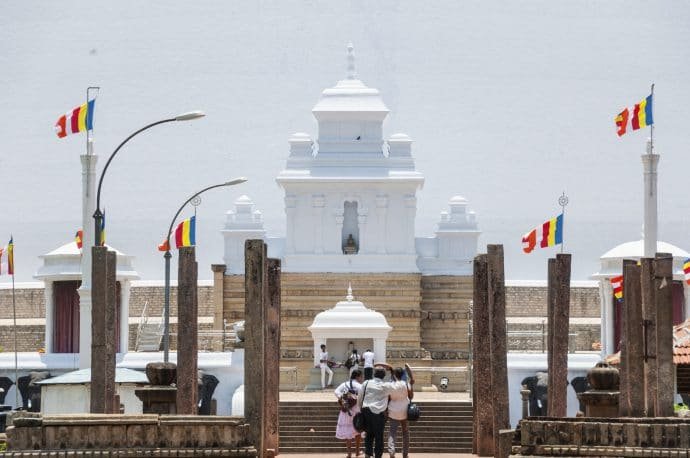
(347, 399)
(373, 401)
(400, 398)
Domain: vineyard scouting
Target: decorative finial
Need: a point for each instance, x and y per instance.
(349, 296)
(650, 146)
(351, 73)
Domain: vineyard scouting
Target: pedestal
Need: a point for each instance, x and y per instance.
(158, 399)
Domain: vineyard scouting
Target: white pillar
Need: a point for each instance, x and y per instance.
(649, 165)
(410, 213)
(88, 181)
(318, 340)
(686, 295)
(607, 317)
(380, 349)
(50, 315)
(125, 289)
(318, 204)
(290, 212)
(381, 210)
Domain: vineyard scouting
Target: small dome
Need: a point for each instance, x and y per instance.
(300, 137)
(243, 199)
(400, 137)
(349, 314)
(636, 250)
(457, 200)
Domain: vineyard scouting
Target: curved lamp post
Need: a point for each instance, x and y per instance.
(98, 215)
(167, 256)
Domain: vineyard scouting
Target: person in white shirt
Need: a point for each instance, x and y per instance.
(353, 361)
(347, 398)
(323, 364)
(368, 358)
(373, 401)
(397, 411)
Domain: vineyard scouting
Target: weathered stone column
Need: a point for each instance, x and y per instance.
(102, 330)
(649, 312)
(218, 324)
(272, 355)
(255, 279)
(550, 337)
(187, 333)
(663, 281)
(499, 357)
(558, 373)
(483, 425)
(112, 403)
(633, 350)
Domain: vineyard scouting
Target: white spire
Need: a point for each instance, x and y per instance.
(351, 73)
(349, 296)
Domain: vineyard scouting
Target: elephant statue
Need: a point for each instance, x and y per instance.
(5, 383)
(207, 385)
(31, 391)
(538, 397)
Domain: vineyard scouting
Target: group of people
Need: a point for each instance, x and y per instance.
(353, 363)
(378, 401)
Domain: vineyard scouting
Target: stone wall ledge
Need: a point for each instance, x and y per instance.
(246, 452)
(605, 451)
(97, 419)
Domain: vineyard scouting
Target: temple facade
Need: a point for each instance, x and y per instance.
(350, 198)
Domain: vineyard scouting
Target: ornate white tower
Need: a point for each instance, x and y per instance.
(350, 198)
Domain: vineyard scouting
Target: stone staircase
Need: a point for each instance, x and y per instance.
(309, 427)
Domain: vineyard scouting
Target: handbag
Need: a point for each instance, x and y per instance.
(413, 412)
(359, 420)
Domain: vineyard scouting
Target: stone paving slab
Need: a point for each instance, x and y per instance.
(316, 454)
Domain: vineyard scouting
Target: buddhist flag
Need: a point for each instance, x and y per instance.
(617, 284)
(686, 269)
(78, 238)
(78, 120)
(551, 234)
(642, 116)
(185, 233)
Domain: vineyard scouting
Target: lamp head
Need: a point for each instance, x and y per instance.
(235, 181)
(190, 115)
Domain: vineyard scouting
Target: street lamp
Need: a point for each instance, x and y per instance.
(167, 256)
(98, 215)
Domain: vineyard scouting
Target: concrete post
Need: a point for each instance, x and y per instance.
(272, 355)
(187, 333)
(649, 167)
(558, 376)
(648, 299)
(663, 281)
(255, 279)
(88, 206)
(483, 425)
(499, 357)
(634, 346)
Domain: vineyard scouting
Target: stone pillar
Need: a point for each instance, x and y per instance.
(125, 291)
(255, 280)
(380, 350)
(483, 425)
(364, 242)
(218, 324)
(50, 315)
(103, 330)
(632, 351)
(649, 312)
(112, 404)
(187, 333)
(272, 355)
(550, 336)
(558, 373)
(524, 397)
(663, 281)
(497, 323)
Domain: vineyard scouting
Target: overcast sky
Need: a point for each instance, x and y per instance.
(509, 105)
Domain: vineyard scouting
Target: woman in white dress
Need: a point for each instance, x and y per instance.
(347, 399)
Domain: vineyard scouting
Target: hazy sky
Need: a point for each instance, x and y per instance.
(509, 105)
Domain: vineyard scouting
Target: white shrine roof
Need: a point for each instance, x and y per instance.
(64, 263)
(349, 314)
(612, 265)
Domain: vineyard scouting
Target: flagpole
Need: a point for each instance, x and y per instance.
(563, 201)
